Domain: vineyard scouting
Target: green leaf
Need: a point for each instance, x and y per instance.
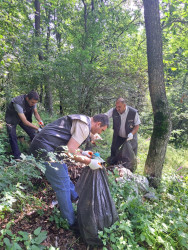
(34, 247)
(16, 246)
(7, 242)
(148, 241)
(112, 238)
(142, 237)
(173, 69)
(37, 231)
(41, 237)
(9, 232)
(25, 235)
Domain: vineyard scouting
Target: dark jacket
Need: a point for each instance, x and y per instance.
(11, 116)
(55, 134)
(129, 123)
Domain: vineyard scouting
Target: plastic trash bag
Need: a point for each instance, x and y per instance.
(126, 156)
(95, 209)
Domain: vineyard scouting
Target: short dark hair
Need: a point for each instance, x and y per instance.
(33, 95)
(101, 118)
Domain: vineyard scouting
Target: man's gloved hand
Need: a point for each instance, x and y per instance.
(130, 137)
(87, 153)
(95, 164)
(41, 124)
(39, 129)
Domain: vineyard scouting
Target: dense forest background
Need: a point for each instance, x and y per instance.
(81, 55)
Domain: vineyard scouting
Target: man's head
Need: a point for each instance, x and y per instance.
(32, 98)
(120, 105)
(99, 123)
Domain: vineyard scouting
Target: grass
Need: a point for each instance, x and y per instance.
(175, 157)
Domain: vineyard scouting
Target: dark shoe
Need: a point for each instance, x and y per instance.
(75, 228)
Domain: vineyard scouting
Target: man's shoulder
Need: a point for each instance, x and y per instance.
(18, 99)
(132, 109)
(83, 118)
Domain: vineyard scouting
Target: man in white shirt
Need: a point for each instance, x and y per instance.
(125, 125)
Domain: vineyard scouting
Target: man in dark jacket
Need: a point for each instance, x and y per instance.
(125, 125)
(19, 112)
(70, 131)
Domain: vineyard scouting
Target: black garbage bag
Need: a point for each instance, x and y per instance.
(95, 209)
(126, 156)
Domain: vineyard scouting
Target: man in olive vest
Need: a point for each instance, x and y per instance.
(70, 131)
(125, 125)
(19, 112)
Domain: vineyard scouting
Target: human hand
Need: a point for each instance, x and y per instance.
(97, 137)
(95, 164)
(87, 153)
(41, 124)
(130, 137)
(39, 129)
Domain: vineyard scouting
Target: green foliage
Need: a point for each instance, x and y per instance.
(175, 42)
(149, 224)
(3, 146)
(19, 172)
(57, 218)
(29, 240)
(142, 224)
(84, 57)
(16, 181)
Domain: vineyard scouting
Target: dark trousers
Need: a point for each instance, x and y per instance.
(117, 142)
(11, 129)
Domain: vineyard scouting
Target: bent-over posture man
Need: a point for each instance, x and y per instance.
(125, 125)
(70, 131)
(19, 112)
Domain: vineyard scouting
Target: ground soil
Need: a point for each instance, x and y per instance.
(32, 216)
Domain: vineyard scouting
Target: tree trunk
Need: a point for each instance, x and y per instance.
(48, 89)
(48, 92)
(61, 103)
(48, 98)
(37, 27)
(162, 123)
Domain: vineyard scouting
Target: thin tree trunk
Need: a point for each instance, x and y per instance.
(60, 103)
(48, 104)
(162, 123)
(48, 88)
(37, 27)
(48, 98)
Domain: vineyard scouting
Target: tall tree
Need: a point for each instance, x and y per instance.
(162, 123)
(48, 92)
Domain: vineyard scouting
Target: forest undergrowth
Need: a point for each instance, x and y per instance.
(29, 220)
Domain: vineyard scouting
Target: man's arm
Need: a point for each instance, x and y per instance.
(26, 122)
(73, 147)
(136, 122)
(135, 129)
(109, 113)
(36, 114)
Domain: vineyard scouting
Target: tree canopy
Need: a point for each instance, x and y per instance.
(81, 55)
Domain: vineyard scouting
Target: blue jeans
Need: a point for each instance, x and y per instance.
(57, 174)
(11, 129)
